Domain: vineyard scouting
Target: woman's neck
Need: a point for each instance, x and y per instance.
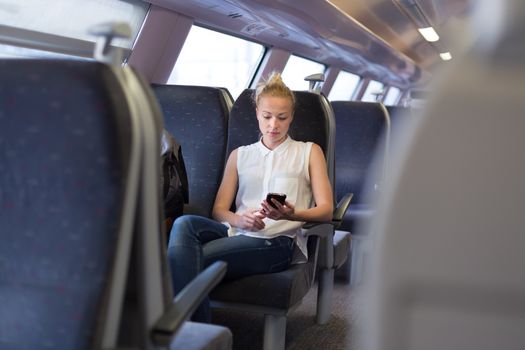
(273, 145)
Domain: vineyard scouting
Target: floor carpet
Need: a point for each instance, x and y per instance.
(302, 333)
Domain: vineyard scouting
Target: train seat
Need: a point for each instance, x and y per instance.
(308, 109)
(341, 247)
(448, 269)
(188, 110)
(189, 335)
(65, 132)
(398, 112)
(81, 262)
(401, 118)
(276, 294)
(362, 130)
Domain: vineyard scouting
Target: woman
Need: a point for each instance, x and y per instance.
(257, 237)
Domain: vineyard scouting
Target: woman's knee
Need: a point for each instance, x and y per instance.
(182, 231)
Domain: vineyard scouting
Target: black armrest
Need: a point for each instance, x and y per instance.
(186, 302)
(340, 210)
(320, 229)
(325, 230)
(338, 214)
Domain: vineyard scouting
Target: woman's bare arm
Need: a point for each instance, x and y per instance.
(250, 219)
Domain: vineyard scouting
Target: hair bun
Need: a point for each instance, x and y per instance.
(273, 85)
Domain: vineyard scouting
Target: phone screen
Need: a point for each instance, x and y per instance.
(280, 197)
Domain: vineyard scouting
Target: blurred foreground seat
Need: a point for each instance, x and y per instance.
(81, 260)
(448, 270)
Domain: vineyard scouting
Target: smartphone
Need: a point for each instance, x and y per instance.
(279, 197)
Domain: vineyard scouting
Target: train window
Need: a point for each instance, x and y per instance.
(33, 24)
(210, 58)
(373, 92)
(344, 87)
(392, 96)
(297, 68)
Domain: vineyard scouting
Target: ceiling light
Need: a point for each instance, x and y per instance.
(445, 56)
(429, 34)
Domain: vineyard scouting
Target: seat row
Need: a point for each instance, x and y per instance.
(87, 135)
(362, 142)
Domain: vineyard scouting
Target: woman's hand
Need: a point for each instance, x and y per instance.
(279, 212)
(251, 220)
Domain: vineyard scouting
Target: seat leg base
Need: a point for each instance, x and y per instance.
(274, 332)
(324, 295)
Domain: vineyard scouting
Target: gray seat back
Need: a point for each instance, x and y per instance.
(361, 128)
(197, 116)
(400, 119)
(448, 268)
(69, 165)
(313, 121)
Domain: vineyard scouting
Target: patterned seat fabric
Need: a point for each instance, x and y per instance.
(360, 131)
(197, 117)
(361, 139)
(62, 167)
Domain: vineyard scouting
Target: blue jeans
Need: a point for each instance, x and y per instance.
(196, 242)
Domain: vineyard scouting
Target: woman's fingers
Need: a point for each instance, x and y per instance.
(253, 220)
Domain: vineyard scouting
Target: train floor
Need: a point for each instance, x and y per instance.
(302, 333)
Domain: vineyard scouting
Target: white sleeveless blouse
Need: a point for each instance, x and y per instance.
(283, 170)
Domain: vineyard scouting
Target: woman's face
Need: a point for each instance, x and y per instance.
(275, 114)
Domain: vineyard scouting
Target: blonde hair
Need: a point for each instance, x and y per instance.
(273, 86)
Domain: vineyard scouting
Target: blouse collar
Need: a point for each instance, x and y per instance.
(279, 149)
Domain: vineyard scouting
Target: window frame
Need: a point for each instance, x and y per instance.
(353, 94)
(396, 101)
(368, 86)
(254, 71)
(286, 81)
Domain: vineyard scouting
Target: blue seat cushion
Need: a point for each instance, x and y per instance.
(200, 336)
(280, 290)
(342, 241)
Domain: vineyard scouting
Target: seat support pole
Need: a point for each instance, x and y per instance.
(324, 295)
(274, 332)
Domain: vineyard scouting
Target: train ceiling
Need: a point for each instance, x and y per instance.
(376, 38)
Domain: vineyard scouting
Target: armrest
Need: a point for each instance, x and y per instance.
(337, 216)
(320, 229)
(340, 209)
(186, 302)
(325, 231)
